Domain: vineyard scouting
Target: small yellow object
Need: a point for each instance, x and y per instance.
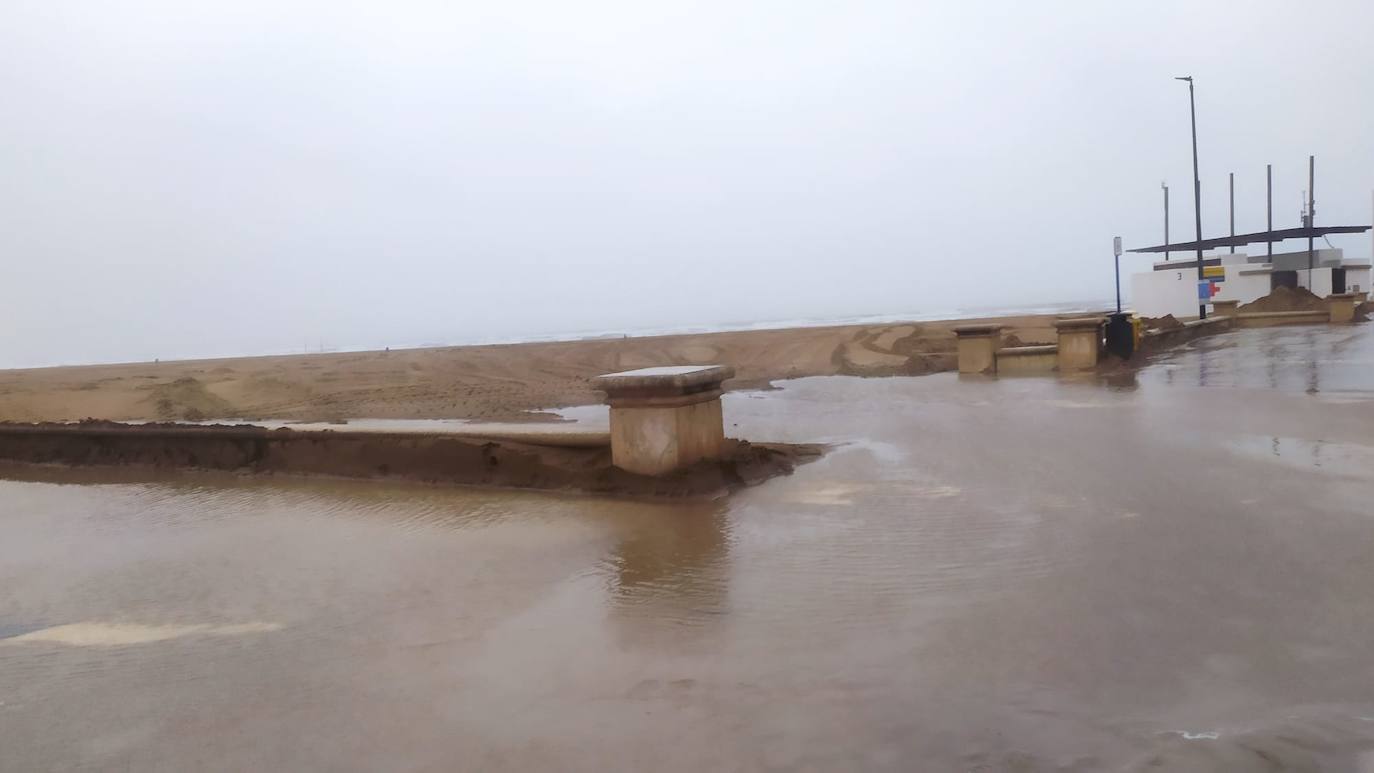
(1214, 272)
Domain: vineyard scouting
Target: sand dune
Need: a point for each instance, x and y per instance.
(498, 382)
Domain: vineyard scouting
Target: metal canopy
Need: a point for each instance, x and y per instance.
(1259, 236)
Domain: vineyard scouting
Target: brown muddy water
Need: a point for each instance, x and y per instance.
(1169, 571)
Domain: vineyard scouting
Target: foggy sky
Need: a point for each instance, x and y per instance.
(214, 178)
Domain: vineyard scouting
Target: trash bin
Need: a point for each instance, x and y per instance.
(1120, 335)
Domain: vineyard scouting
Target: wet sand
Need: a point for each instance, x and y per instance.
(1168, 570)
(490, 383)
(521, 461)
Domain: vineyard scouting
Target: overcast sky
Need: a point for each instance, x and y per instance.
(250, 176)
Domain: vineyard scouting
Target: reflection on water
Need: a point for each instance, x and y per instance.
(1330, 457)
(669, 578)
(1311, 359)
(1170, 571)
(681, 556)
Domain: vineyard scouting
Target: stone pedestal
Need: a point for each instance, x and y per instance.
(1080, 342)
(663, 419)
(1225, 308)
(978, 345)
(1342, 306)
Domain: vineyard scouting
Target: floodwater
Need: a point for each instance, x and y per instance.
(1172, 570)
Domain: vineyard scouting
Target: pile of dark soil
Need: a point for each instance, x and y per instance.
(1166, 322)
(1285, 299)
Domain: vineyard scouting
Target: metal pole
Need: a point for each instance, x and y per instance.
(1166, 218)
(1269, 206)
(1197, 195)
(1117, 250)
(1311, 212)
(1233, 209)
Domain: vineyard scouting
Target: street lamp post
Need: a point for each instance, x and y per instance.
(1165, 186)
(1116, 250)
(1197, 198)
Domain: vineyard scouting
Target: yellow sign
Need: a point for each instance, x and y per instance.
(1214, 272)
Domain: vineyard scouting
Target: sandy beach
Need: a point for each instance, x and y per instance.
(494, 383)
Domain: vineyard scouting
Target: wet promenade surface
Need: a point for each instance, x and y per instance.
(1173, 570)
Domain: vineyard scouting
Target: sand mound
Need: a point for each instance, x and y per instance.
(886, 341)
(1286, 299)
(929, 339)
(855, 359)
(1166, 322)
(902, 350)
(187, 398)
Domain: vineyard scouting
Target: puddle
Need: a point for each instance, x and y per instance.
(1332, 458)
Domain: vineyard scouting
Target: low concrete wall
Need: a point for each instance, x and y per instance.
(1027, 360)
(1225, 308)
(1272, 318)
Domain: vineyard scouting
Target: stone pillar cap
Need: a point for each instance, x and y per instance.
(666, 379)
(1079, 323)
(1344, 296)
(976, 329)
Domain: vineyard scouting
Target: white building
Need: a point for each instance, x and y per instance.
(1172, 287)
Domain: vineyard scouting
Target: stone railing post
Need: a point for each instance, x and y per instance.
(663, 419)
(1080, 342)
(978, 345)
(1342, 306)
